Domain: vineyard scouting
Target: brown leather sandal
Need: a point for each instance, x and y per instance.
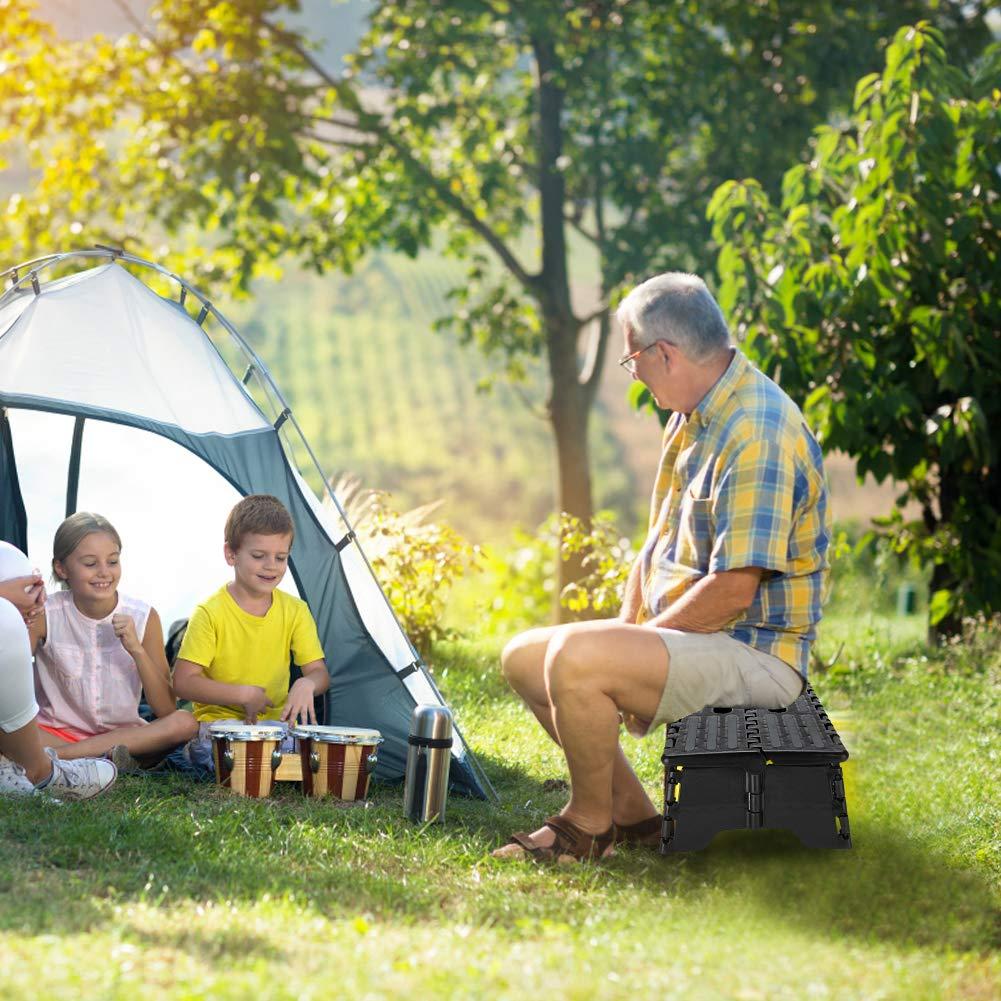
(571, 844)
(644, 832)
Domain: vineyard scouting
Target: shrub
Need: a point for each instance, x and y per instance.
(523, 579)
(417, 560)
(607, 560)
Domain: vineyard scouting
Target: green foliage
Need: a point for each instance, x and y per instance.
(868, 663)
(504, 126)
(867, 563)
(607, 559)
(417, 561)
(521, 582)
(873, 292)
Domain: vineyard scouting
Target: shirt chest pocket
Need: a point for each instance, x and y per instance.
(695, 532)
(63, 660)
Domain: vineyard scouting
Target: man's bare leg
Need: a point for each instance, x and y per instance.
(524, 664)
(592, 671)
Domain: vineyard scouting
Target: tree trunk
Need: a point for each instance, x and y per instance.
(569, 401)
(943, 576)
(568, 412)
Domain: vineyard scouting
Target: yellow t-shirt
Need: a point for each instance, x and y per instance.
(243, 649)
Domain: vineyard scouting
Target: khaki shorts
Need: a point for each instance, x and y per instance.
(714, 669)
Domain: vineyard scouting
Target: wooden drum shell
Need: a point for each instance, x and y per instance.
(332, 767)
(246, 767)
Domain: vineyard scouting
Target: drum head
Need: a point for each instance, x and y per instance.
(338, 734)
(235, 730)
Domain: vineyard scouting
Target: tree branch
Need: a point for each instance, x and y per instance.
(371, 122)
(575, 223)
(590, 377)
(591, 317)
(529, 404)
(341, 123)
(337, 143)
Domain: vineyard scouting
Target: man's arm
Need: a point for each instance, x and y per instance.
(712, 603)
(632, 598)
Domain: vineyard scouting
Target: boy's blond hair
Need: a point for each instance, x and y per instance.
(258, 514)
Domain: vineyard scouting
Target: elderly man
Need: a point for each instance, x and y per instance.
(722, 603)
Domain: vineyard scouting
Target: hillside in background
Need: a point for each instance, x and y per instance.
(379, 394)
(335, 25)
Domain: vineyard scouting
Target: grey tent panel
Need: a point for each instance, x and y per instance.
(13, 519)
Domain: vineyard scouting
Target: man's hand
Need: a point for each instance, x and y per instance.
(253, 701)
(299, 705)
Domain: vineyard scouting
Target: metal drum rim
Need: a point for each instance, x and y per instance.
(338, 734)
(246, 732)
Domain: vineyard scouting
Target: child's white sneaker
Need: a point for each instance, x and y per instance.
(79, 779)
(13, 781)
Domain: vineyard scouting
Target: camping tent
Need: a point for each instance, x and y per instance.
(121, 399)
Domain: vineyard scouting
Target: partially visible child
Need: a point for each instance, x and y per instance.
(27, 767)
(96, 652)
(234, 660)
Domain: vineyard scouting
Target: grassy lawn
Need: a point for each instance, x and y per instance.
(171, 890)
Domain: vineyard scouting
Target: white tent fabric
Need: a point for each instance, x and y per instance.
(172, 538)
(120, 349)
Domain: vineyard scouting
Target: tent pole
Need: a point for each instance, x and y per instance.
(73, 477)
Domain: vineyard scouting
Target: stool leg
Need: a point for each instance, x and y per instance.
(805, 800)
(672, 776)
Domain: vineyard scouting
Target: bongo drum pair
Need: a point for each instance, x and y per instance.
(335, 760)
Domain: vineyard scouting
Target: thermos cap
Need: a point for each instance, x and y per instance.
(431, 723)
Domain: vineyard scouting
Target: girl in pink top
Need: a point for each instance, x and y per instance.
(96, 651)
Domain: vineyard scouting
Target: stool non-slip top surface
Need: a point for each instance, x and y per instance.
(800, 733)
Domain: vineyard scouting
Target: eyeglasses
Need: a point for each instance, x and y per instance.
(629, 361)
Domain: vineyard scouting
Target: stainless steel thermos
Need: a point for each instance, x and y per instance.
(429, 755)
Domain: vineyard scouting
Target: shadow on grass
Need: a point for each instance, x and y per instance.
(889, 887)
(61, 870)
(514, 786)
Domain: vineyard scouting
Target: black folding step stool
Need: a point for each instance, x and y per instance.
(727, 769)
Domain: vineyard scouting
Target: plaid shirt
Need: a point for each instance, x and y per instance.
(741, 484)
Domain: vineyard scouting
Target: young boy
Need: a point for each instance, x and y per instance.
(234, 660)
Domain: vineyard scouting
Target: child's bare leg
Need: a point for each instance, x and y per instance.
(149, 743)
(25, 746)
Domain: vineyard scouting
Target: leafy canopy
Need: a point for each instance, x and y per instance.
(874, 292)
(220, 125)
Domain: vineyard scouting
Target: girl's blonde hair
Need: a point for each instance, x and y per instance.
(73, 531)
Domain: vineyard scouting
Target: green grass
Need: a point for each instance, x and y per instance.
(170, 890)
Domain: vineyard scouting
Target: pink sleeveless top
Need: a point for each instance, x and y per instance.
(85, 682)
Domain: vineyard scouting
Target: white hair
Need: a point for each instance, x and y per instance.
(676, 307)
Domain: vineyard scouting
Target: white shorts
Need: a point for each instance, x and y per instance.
(714, 669)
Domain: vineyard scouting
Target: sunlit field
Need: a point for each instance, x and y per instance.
(380, 394)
